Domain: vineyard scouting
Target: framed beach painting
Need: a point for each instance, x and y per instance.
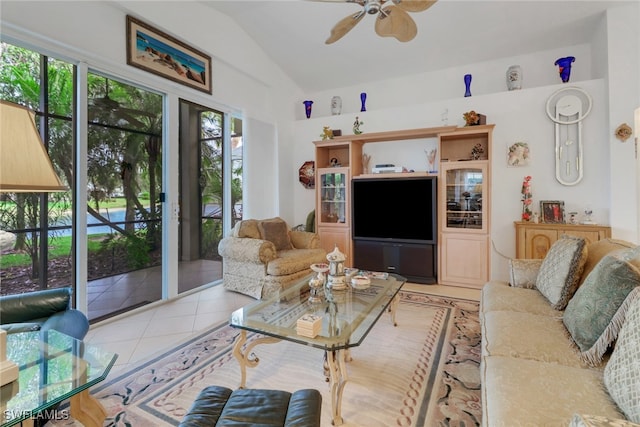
(159, 53)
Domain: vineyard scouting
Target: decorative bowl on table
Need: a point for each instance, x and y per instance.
(360, 282)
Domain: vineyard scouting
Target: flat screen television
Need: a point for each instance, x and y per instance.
(395, 209)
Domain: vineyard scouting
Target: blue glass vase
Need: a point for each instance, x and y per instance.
(363, 100)
(564, 67)
(467, 85)
(307, 108)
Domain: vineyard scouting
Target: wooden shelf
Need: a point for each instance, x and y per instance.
(389, 136)
(394, 175)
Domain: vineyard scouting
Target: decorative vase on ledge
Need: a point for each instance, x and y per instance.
(514, 77)
(467, 85)
(336, 105)
(564, 67)
(307, 108)
(363, 100)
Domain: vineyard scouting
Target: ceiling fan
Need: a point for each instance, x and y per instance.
(107, 107)
(393, 19)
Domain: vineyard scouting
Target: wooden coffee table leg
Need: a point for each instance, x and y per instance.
(87, 409)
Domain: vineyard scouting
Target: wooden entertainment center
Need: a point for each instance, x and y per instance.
(461, 255)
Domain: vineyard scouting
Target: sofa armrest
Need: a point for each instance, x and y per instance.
(246, 249)
(582, 420)
(523, 272)
(23, 308)
(304, 239)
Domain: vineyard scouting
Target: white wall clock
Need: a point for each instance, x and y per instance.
(567, 108)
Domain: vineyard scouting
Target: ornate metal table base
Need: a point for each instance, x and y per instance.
(347, 318)
(248, 358)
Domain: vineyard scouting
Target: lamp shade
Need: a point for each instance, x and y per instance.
(24, 163)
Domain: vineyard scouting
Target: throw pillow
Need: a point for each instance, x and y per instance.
(523, 272)
(622, 373)
(561, 269)
(277, 233)
(593, 316)
(247, 228)
(597, 250)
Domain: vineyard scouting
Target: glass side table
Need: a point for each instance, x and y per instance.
(53, 367)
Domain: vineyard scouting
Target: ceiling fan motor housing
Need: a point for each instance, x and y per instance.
(373, 6)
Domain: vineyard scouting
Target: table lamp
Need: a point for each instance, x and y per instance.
(24, 167)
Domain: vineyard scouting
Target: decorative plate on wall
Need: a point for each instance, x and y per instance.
(518, 154)
(307, 174)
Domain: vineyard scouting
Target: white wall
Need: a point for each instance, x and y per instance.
(419, 101)
(94, 32)
(246, 82)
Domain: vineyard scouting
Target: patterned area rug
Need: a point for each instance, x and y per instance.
(424, 372)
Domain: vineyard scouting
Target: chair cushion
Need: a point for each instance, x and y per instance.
(294, 260)
(622, 373)
(498, 296)
(524, 392)
(546, 338)
(589, 315)
(277, 233)
(561, 269)
(221, 406)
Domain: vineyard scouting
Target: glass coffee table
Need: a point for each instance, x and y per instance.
(53, 367)
(346, 318)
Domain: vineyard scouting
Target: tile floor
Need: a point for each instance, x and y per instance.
(138, 335)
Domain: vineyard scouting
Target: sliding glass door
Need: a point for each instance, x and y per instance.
(124, 209)
(210, 190)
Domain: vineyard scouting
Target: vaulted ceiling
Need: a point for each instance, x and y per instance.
(450, 33)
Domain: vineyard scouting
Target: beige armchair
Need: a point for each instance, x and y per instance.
(262, 257)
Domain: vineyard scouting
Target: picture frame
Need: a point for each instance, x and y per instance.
(552, 211)
(159, 53)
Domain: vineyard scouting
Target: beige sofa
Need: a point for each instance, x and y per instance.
(548, 335)
(262, 257)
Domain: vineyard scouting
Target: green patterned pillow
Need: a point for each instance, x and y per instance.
(622, 373)
(561, 269)
(593, 316)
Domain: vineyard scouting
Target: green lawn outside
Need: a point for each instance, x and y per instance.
(58, 247)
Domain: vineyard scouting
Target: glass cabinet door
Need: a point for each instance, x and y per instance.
(464, 187)
(334, 184)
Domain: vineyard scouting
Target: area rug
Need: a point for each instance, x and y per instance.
(422, 372)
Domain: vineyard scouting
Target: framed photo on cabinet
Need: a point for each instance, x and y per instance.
(159, 53)
(552, 211)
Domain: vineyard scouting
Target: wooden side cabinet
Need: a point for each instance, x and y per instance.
(534, 240)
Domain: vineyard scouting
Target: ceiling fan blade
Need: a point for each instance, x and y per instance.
(344, 26)
(414, 5)
(395, 22)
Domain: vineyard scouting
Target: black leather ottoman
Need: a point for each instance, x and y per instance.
(221, 406)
